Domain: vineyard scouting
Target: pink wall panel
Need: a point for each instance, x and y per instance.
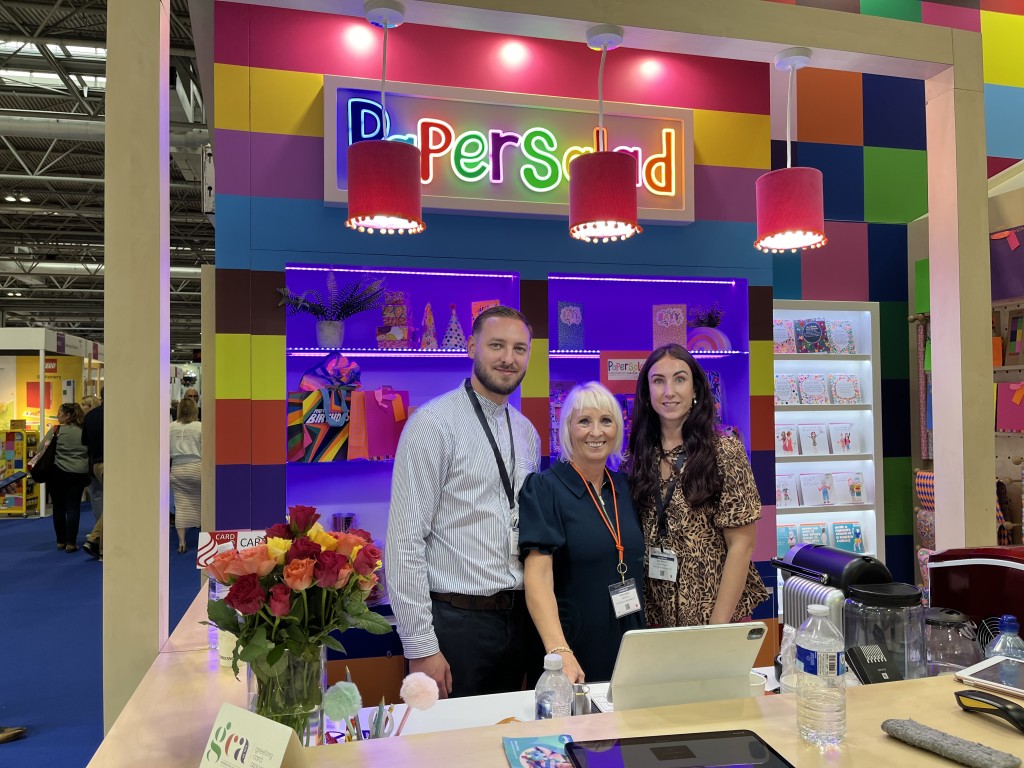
(346, 45)
(838, 272)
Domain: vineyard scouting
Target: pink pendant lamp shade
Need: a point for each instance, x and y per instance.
(602, 197)
(384, 191)
(790, 210)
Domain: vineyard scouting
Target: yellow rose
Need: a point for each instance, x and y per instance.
(323, 538)
(278, 548)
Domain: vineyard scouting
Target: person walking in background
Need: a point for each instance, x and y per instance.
(186, 435)
(193, 394)
(70, 476)
(452, 553)
(573, 518)
(697, 499)
(92, 438)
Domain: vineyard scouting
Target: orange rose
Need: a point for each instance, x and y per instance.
(343, 576)
(217, 570)
(347, 542)
(252, 560)
(298, 574)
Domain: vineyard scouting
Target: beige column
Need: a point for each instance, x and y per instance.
(137, 346)
(961, 298)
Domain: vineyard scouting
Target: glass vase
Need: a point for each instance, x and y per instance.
(292, 692)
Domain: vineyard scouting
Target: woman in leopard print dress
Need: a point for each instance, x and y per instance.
(695, 493)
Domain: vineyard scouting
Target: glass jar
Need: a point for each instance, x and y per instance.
(890, 616)
(951, 640)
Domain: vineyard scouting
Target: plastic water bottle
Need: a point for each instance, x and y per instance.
(787, 677)
(1007, 642)
(553, 691)
(820, 688)
(215, 591)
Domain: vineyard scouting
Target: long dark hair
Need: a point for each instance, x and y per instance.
(701, 481)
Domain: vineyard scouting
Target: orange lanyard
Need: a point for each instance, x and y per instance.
(617, 531)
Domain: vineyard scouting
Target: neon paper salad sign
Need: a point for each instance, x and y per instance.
(510, 153)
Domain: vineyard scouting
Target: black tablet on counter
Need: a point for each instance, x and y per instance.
(682, 750)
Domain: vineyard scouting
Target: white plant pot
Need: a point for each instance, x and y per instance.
(329, 333)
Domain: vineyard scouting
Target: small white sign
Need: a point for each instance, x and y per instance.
(243, 739)
(212, 543)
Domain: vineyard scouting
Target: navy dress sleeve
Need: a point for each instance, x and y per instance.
(540, 525)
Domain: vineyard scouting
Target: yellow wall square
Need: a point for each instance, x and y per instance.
(268, 368)
(734, 139)
(537, 379)
(1001, 35)
(231, 97)
(234, 368)
(762, 368)
(287, 102)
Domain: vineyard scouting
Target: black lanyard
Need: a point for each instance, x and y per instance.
(510, 489)
(662, 502)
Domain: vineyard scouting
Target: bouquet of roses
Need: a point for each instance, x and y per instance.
(285, 598)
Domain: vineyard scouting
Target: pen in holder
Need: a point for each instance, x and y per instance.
(581, 704)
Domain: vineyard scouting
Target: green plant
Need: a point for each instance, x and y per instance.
(700, 316)
(338, 304)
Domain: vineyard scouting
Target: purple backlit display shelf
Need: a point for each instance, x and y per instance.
(828, 424)
(591, 313)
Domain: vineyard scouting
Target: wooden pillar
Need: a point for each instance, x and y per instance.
(961, 298)
(137, 346)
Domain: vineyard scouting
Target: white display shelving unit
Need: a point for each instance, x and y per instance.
(867, 417)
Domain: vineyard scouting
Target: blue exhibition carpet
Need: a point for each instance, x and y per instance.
(50, 611)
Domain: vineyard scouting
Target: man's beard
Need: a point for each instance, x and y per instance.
(493, 384)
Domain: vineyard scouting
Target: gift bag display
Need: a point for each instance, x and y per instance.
(377, 417)
(319, 425)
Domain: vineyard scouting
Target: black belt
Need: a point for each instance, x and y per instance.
(499, 601)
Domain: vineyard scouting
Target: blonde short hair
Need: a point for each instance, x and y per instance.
(589, 395)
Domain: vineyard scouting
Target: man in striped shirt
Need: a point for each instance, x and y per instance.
(452, 555)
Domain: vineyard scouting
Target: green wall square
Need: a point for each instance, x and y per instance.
(899, 496)
(895, 184)
(922, 287)
(892, 335)
(908, 10)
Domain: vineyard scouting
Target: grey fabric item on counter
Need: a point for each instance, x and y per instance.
(965, 752)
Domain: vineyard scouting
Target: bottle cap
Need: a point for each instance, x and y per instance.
(552, 661)
(1008, 623)
(817, 610)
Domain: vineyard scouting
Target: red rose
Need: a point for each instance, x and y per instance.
(367, 560)
(302, 518)
(364, 535)
(328, 566)
(280, 600)
(280, 531)
(246, 595)
(302, 549)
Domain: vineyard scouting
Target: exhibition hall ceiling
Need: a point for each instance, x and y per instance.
(52, 107)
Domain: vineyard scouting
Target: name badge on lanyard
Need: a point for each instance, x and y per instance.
(625, 598)
(662, 564)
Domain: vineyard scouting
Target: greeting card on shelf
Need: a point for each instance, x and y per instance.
(477, 307)
(559, 390)
(785, 491)
(844, 388)
(783, 338)
(848, 536)
(811, 336)
(848, 487)
(570, 325)
(813, 440)
(1010, 406)
(669, 324)
(816, 489)
(785, 440)
(841, 340)
(814, 533)
(1015, 338)
(786, 389)
(715, 384)
(785, 538)
(845, 438)
(812, 389)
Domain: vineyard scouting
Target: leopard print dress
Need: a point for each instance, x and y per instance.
(697, 538)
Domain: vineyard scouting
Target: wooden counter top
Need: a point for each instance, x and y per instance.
(168, 720)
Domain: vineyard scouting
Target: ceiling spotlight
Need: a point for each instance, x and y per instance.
(11, 198)
(25, 199)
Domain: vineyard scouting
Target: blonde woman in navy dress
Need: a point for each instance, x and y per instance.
(581, 542)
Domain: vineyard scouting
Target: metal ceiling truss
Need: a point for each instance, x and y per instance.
(51, 152)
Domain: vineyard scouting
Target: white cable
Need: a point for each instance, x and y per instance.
(789, 110)
(383, 72)
(600, 101)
